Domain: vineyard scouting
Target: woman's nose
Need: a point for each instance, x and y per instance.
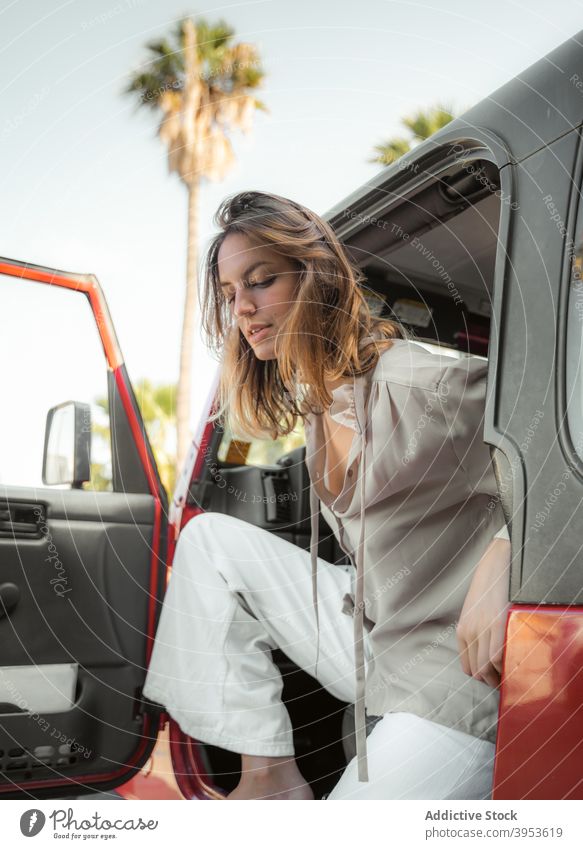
(244, 304)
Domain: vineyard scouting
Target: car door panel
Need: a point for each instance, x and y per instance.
(82, 584)
(97, 616)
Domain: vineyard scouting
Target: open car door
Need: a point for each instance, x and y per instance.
(83, 543)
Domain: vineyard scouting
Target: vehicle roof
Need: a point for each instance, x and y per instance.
(540, 104)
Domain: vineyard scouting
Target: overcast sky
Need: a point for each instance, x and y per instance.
(84, 183)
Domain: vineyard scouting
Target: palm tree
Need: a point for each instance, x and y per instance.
(158, 408)
(201, 84)
(421, 125)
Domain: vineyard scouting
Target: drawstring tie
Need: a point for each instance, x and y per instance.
(358, 613)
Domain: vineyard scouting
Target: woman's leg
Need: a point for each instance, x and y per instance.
(410, 757)
(237, 591)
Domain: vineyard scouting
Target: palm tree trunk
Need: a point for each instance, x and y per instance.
(188, 324)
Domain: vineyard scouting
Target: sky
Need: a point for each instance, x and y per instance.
(84, 184)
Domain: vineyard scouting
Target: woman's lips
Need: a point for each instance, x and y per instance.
(258, 336)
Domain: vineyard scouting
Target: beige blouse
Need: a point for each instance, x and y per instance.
(417, 509)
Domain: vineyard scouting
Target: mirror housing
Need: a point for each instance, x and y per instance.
(67, 450)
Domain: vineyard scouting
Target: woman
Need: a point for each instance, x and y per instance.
(398, 467)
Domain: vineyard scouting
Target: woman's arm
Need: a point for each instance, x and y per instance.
(482, 622)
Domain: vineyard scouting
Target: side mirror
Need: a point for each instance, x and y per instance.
(67, 451)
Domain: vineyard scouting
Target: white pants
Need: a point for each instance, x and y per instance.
(237, 591)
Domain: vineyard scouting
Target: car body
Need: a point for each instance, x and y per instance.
(473, 240)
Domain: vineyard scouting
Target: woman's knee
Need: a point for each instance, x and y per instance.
(210, 521)
(198, 523)
(245, 555)
(207, 541)
(195, 540)
(211, 526)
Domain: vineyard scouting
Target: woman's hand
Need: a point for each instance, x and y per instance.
(482, 622)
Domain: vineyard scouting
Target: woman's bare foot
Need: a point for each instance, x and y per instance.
(270, 778)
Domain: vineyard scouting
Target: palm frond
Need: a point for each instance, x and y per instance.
(421, 125)
(424, 124)
(197, 112)
(387, 152)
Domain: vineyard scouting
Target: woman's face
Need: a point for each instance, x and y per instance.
(259, 285)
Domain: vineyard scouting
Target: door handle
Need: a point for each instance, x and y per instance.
(20, 519)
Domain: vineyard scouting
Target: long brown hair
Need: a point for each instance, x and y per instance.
(322, 335)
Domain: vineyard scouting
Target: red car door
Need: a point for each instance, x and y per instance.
(83, 543)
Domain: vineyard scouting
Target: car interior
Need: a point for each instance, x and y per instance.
(428, 261)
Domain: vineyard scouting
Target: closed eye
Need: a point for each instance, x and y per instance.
(262, 283)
